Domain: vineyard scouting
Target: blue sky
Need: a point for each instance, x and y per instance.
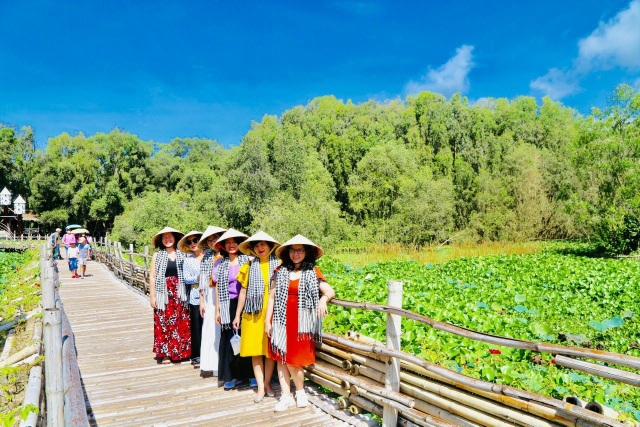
(165, 69)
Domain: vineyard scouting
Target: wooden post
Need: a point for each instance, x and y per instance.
(131, 269)
(48, 286)
(52, 320)
(392, 377)
(146, 257)
(146, 267)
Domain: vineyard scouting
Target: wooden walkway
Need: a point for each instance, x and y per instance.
(124, 386)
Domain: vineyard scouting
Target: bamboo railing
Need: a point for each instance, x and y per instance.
(407, 390)
(65, 403)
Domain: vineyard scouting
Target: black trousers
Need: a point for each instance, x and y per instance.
(231, 366)
(196, 330)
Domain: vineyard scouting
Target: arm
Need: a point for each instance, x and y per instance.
(269, 315)
(218, 318)
(201, 302)
(327, 293)
(241, 299)
(152, 282)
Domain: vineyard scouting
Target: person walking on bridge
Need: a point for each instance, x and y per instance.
(169, 299)
(55, 244)
(67, 239)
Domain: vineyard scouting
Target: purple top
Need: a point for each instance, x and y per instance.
(234, 285)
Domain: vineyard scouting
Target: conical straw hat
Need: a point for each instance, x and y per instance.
(210, 231)
(247, 246)
(182, 244)
(229, 234)
(154, 239)
(299, 240)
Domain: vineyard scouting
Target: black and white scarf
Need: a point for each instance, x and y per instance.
(309, 324)
(223, 288)
(255, 288)
(162, 296)
(206, 265)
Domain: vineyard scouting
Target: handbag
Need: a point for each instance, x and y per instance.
(235, 343)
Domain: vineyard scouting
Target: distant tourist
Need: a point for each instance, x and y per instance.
(84, 253)
(169, 299)
(252, 307)
(297, 304)
(55, 244)
(67, 239)
(232, 369)
(210, 329)
(191, 274)
(72, 259)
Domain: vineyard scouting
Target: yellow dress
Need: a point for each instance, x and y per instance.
(253, 341)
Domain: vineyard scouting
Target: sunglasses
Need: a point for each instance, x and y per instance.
(192, 241)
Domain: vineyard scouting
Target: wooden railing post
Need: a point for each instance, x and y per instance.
(146, 257)
(392, 377)
(52, 322)
(131, 268)
(146, 268)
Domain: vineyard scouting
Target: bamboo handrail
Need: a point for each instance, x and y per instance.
(571, 411)
(603, 356)
(599, 370)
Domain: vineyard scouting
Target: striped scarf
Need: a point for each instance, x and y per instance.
(308, 322)
(206, 265)
(223, 288)
(255, 289)
(162, 297)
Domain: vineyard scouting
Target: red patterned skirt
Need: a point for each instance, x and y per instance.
(172, 326)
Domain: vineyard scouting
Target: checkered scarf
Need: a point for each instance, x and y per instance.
(223, 288)
(309, 324)
(162, 296)
(255, 289)
(206, 265)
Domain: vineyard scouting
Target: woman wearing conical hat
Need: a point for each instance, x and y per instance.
(191, 274)
(210, 329)
(232, 369)
(297, 304)
(252, 307)
(168, 297)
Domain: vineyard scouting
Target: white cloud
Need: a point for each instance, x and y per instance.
(449, 78)
(556, 83)
(613, 44)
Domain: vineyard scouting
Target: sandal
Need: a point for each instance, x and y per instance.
(166, 361)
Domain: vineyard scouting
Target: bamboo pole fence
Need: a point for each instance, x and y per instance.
(406, 390)
(63, 402)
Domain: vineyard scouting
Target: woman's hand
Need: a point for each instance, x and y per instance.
(218, 318)
(236, 323)
(267, 328)
(152, 301)
(322, 308)
(201, 309)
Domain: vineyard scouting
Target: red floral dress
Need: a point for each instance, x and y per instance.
(301, 350)
(172, 326)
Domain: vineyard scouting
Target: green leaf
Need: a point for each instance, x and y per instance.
(521, 309)
(541, 329)
(520, 298)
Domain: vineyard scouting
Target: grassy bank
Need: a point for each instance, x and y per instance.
(19, 293)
